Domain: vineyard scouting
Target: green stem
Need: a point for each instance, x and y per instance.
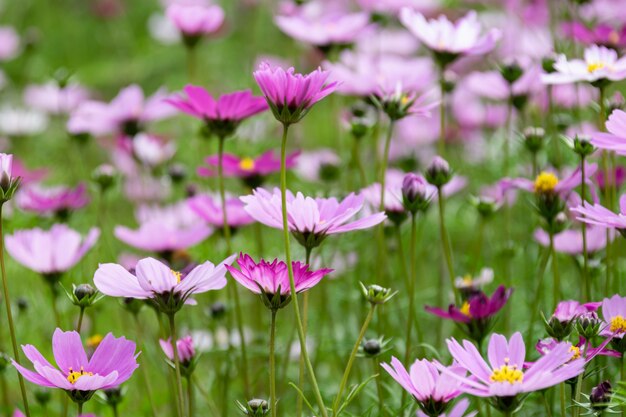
(442, 114)
(356, 158)
(546, 404)
(383, 165)
(80, 409)
(53, 303)
(146, 375)
(586, 290)
(191, 64)
(220, 178)
(536, 306)
(292, 284)
(445, 244)
(305, 320)
(179, 381)
(379, 388)
(7, 303)
(562, 397)
(273, 403)
(556, 290)
(80, 319)
(190, 397)
(355, 349)
(115, 411)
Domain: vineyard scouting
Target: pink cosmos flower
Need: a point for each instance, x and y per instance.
(9, 43)
(155, 281)
(323, 29)
(614, 316)
(600, 216)
(311, 164)
(222, 115)
(50, 252)
(185, 347)
(583, 349)
(571, 241)
(53, 99)
(210, 210)
(394, 6)
(28, 176)
(150, 150)
(618, 174)
(273, 278)
(615, 139)
(549, 182)
(504, 375)
(446, 38)
(601, 34)
(195, 20)
(309, 219)
(291, 95)
(251, 170)
(126, 114)
(600, 63)
(58, 200)
(458, 410)
(432, 389)
(491, 85)
(568, 310)
(112, 364)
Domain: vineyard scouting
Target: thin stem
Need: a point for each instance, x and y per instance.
(146, 375)
(115, 411)
(562, 397)
(292, 284)
(356, 158)
(379, 388)
(220, 178)
(273, 402)
(383, 165)
(7, 303)
(537, 296)
(80, 319)
(442, 114)
(586, 290)
(179, 381)
(355, 349)
(445, 244)
(80, 409)
(189, 397)
(305, 320)
(191, 63)
(556, 290)
(546, 404)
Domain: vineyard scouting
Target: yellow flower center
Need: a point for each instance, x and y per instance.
(507, 373)
(177, 275)
(468, 280)
(595, 66)
(546, 182)
(247, 164)
(75, 376)
(575, 352)
(618, 324)
(94, 341)
(404, 100)
(465, 309)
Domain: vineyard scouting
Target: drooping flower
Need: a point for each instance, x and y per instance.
(432, 389)
(80, 376)
(210, 210)
(504, 378)
(309, 219)
(223, 115)
(194, 21)
(291, 95)
(59, 200)
(448, 40)
(153, 280)
(476, 315)
(271, 279)
(50, 252)
(601, 216)
(600, 64)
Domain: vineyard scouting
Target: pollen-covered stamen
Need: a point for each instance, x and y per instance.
(465, 309)
(74, 376)
(595, 66)
(507, 373)
(468, 281)
(246, 164)
(546, 182)
(618, 324)
(178, 276)
(575, 352)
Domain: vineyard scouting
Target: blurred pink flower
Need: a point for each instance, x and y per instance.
(53, 99)
(185, 347)
(571, 241)
(615, 139)
(210, 210)
(59, 200)
(9, 43)
(194, 20)
(600, 34)
(311, 163)
(247, 168)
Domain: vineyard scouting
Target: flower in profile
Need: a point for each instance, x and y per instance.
(599, 215)
(50, 252)
(432, 389)
(222, 115)
(155, 281)
(291, 95)
(448, 40)
(310, 220)
(195, 20)
(615, 139)
(210, 210)
(53, 98)
(570, 241)
(600, 65)
(600, 34)
(112, 363)
(583, 349)
(271, 279)
(59, 201)
(459, 410)
(9, 182)
(252, 171)
(476, 316)
(469, 285)
(504, 378)
(186, 353)
(562, 321)
(399, 102)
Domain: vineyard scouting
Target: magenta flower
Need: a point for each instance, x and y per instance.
(450, 40)
(60, 200)
(291, 95)
(169, 290)
(583, 349)
(50, 252)
(601, 34)
(186, 350)
(615, 139)
(271, 280)
(599, 64)
(251, 170)
(80, 376)
(325, 29)
(504, 378)
(433, 390)
(309, 219)
(223, 115)
(194, 21)
(568, 310)
(476, 315)
(210, 210)
(614, 316)
(600, 216)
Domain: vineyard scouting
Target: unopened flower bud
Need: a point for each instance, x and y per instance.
(534, 138)
(43, 396)
(22, 304)
(547, 64)
(84, 290)
(511, 72)
(113, 396)
(588, 325)
(218, 310)
(438, 172)
(600, 396)
(376, 294)
(83, 295)
(255, 408)
(372, 347)
(414, 193)
(104, 176)
(177, 172)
